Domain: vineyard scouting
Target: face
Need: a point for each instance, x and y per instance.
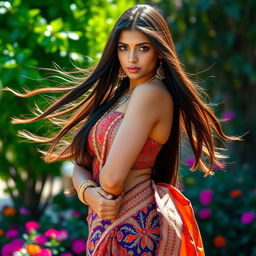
(137, 56)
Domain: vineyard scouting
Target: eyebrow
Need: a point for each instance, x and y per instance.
(136, 44)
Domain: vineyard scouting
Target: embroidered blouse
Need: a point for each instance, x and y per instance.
(111, 122)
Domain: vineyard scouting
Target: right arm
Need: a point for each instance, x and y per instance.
(102, 202)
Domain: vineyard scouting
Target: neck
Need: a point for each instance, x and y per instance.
(134, 84)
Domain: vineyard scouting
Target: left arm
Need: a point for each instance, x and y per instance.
(141, 115)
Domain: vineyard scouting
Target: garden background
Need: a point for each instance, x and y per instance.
(215, 39)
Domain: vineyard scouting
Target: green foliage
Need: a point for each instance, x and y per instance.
(38, 33)
(215, 41)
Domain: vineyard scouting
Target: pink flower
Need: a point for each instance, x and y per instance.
(66, 254)
(228, 115)
(44, 252)
(206, 197)
(12, 233)
(247, 217)
(51, 233)
(41, 239)
(24, 211)
(205, 213)
(78, 246)
(32, 225)
(10, 248)
(190, 161)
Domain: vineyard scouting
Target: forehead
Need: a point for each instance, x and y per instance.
(132, 37)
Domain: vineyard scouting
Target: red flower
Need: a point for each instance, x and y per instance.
(219, 241)
(235, 193)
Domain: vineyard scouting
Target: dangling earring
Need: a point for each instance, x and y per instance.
(160, 71)
(121, 73)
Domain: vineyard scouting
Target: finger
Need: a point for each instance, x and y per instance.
(108, 215)
(105, 194)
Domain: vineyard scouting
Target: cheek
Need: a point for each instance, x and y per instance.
(121, 58)
(151, 60)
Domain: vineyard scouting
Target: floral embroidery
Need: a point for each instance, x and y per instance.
(141, 232)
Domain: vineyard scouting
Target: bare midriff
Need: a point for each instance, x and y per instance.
(135, 177)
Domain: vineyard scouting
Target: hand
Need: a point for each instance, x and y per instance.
(103, 203)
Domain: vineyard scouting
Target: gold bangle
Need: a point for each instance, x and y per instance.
(82, 187)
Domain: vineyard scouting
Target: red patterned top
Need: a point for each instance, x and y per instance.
(145, 159)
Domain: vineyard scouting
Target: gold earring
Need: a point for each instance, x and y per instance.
(121, 73)
(160, 71)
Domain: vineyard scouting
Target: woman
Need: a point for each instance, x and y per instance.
(126, 141)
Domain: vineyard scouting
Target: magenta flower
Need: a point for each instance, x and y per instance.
(41, 239)
(10, 248)
(190, 161)
(24, 211)
(52, 233)
(12, 233)
(78, 246)
(44, 252)
(66, 254)
(247, 217)
(206, 197)
(205, 213)
(31, 225)
(228, 115)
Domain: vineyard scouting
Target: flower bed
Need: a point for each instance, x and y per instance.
(61, 232)
(224, 206)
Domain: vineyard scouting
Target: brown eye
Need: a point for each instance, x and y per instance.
(122, 48)
(144, 48)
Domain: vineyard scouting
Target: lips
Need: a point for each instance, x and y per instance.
(133, 69)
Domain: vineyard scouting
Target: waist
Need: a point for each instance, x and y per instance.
(135, 177)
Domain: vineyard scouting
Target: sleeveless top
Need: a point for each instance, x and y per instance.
(112, 120)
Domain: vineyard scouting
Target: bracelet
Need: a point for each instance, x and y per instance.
(82, 187)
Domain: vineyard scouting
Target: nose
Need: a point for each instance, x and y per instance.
(132, 58)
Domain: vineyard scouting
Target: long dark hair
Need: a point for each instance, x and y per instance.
(103, 88)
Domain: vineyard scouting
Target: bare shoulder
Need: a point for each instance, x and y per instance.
(154, 94)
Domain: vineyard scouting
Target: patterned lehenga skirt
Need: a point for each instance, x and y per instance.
(154, 219)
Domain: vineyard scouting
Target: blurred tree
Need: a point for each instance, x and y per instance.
(218, 38)
(38, 33)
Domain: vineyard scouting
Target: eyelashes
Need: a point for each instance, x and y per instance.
(141, 48)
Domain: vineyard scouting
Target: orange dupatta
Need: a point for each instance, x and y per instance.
(191, 238)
